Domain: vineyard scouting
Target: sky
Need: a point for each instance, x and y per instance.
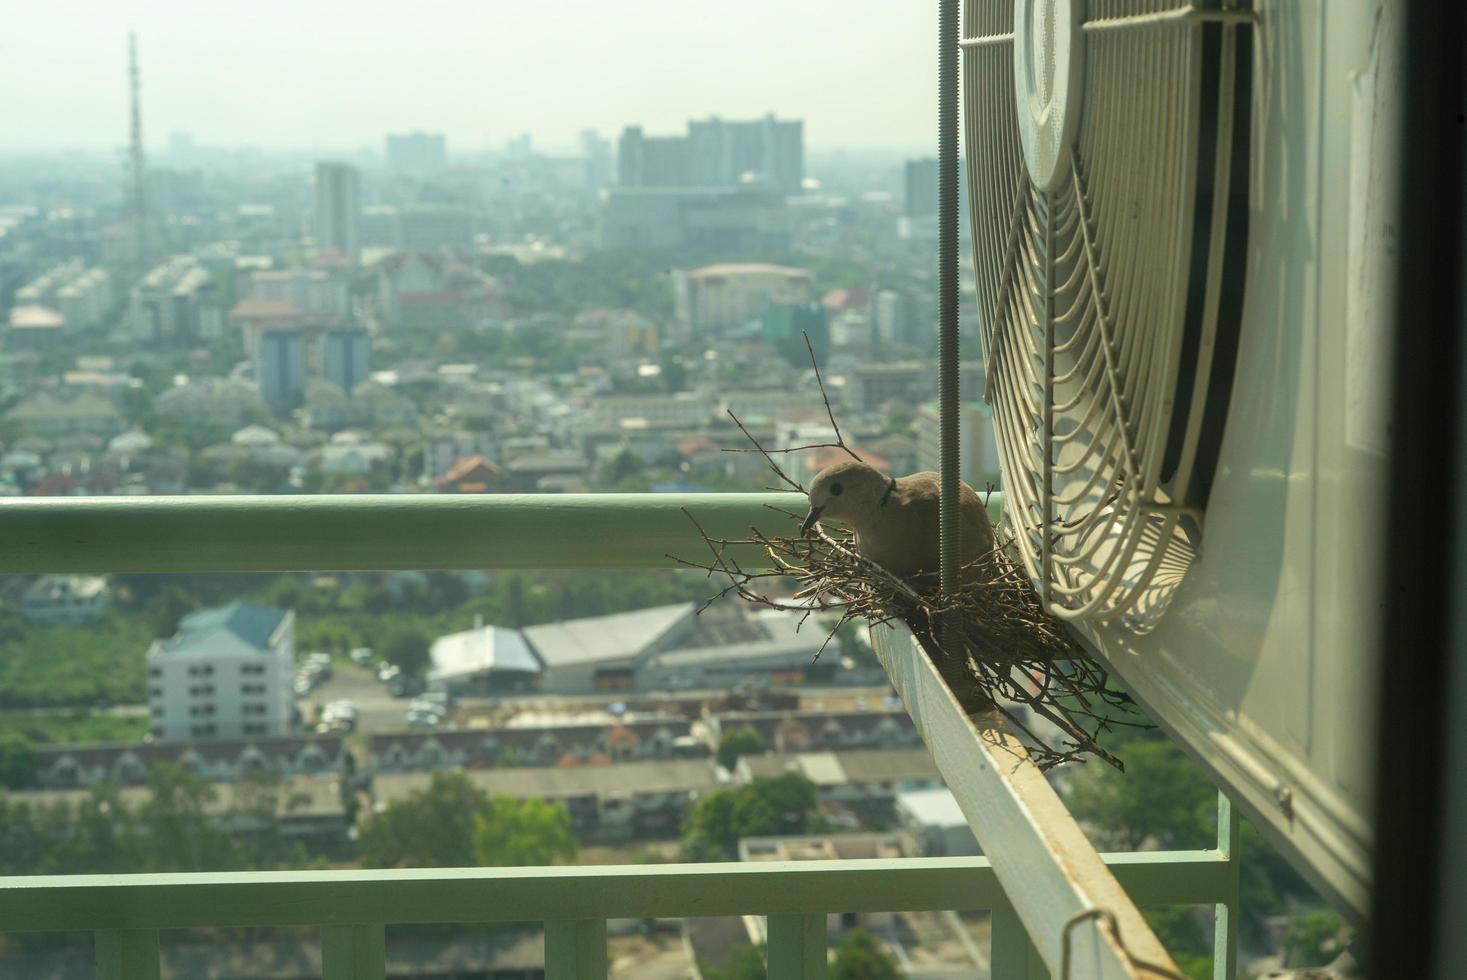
(328, 74)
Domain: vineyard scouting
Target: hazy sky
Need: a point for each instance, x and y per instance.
(334, 74)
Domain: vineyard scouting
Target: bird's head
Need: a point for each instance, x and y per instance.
(849, 492)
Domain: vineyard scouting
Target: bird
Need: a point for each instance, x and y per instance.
(896, 518)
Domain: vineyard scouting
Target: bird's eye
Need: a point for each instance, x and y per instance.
(835, 489)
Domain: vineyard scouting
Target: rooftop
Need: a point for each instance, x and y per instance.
(481, 649)
(599, 638)
(233, 629)
(724, 269)
(567, 782)
(932, 807)
(842, 768)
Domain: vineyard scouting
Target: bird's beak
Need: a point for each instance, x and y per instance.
(810, 520)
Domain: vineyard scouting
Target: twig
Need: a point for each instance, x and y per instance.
(840, 439)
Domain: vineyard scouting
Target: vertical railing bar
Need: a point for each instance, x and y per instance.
(127, 954)
(1010, 951)
(575, 949)
(356, 951)
(797, 946)
(949, 432)
(1225, 912)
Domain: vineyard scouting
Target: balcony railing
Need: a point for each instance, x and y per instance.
(352, 908)
(1041, 880)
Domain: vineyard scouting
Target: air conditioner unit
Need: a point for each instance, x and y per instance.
(1181, 217)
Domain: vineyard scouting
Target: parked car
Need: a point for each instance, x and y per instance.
(422, 719)
(361, 656)
(404, 685)
(429, 707)
(320, 663)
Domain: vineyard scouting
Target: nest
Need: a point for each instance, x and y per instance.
(1010, 654)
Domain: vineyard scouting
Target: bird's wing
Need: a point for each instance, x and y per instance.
(922, 493)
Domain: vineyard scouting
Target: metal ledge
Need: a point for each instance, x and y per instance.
(1048, 869)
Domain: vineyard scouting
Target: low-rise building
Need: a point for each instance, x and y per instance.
(626, 740)
(934, 818)
(66, 600)
(482, 660)
(470, 474)
(607, 801)
(227, 673)
(866, 780)
(54, 414)
(309, 809)
(222, 760)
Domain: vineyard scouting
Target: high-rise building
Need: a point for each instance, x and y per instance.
(919, 188)
(430, 227)
(597, 153)
(416, 151)
(716, 153)
(346, 357)
(280, 367)
(338, 209)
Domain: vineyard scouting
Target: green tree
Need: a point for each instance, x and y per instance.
(746, 964)
(739, 742)
(1315, 938)
(104, 837)
(180, 832)
(1162, 796)
(433, 828)
(513, 832)
(783, 805)
(407, 647)
(17, 761)
(860, 957)
(625, 465)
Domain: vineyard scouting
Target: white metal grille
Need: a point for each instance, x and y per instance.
(1098, 296)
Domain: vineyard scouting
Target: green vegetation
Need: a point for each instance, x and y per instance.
(783, 805)
(1314, 938)
(17, 761)
(739, 742)
(454, 824)
(72, 725)
(66, 665)
(746, 964)
(406, 646)
(610, 279)
(1164, 799)
(860, 957)
(521, 833)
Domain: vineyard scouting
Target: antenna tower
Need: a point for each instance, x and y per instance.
(139, 197)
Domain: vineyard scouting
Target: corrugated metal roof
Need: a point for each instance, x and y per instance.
(615, 637)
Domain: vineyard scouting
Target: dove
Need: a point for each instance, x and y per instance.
(896, 518)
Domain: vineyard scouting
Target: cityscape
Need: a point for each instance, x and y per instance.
(415, 318)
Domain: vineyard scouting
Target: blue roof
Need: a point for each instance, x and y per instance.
(236, 628)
